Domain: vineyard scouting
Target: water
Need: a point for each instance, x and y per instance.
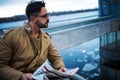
(86, 57)
(57, 20)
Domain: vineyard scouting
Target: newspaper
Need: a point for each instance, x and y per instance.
(47, 70)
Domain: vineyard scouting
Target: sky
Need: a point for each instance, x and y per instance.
(10, 8)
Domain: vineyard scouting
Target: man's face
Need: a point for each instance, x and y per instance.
(42, 19)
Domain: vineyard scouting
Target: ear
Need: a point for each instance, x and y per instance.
(32, 19)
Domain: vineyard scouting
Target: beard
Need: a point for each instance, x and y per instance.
(40, 25)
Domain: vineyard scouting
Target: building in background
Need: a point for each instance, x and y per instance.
(110, 43)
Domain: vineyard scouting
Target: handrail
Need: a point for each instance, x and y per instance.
(76, 24)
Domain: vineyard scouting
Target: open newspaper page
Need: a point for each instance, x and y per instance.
(46, 69)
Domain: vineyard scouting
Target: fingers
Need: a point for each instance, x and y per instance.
(27, 76)
(63, 69)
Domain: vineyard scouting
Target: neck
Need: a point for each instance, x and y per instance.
(35, 31)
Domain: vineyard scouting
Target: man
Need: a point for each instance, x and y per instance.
(24, 49)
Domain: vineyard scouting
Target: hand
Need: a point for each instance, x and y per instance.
(63, 69)
(27, 76)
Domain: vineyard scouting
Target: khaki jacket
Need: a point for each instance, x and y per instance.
(17, 55)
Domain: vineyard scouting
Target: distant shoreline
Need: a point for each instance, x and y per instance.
(24, 17)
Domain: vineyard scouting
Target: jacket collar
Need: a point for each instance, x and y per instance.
(26, 26)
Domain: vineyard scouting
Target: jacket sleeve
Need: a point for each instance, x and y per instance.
(6, 48)
(54, 57)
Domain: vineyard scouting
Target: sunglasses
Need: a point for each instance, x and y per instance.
(43, 16)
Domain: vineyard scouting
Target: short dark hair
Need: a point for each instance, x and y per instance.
(34, 7)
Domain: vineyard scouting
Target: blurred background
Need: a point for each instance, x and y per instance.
(85, 32)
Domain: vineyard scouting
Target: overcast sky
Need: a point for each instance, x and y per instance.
(17, 7)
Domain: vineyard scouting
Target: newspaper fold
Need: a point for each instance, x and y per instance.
(47, 70)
